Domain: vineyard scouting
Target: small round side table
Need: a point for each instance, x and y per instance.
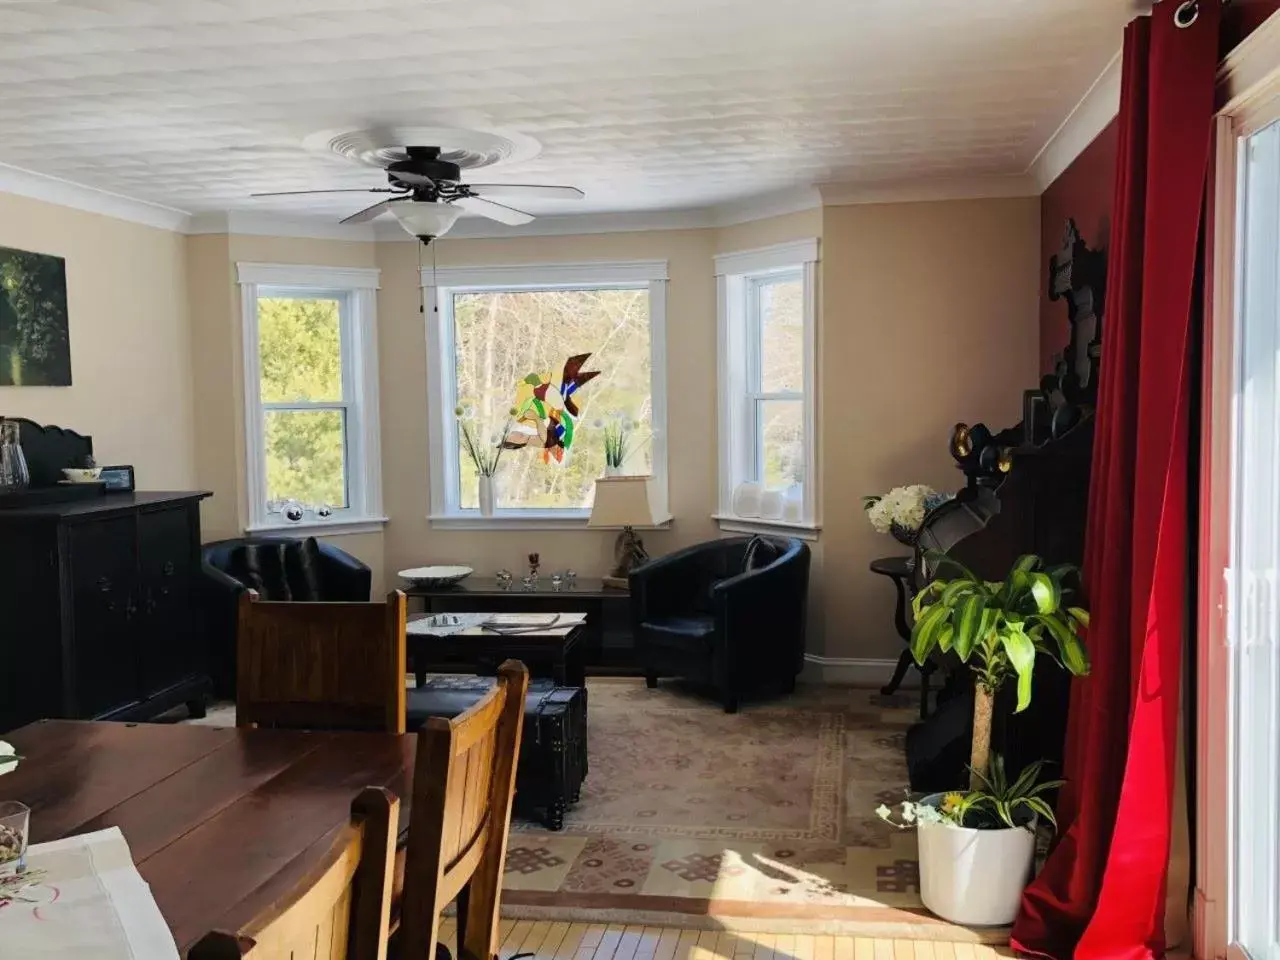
(900, 570)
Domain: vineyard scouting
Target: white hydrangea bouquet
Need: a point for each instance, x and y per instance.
(902, 510)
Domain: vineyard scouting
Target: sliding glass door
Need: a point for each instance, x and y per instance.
(1253, 626)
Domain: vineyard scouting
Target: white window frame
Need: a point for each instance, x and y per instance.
(357, 290)
(1227, 848)
(739, 276)
(439, 287)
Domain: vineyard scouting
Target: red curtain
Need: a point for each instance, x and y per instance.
(1101, 892)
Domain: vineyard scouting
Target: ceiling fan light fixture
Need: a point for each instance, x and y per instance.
(424, 220)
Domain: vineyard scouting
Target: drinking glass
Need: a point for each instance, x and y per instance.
(15, 820)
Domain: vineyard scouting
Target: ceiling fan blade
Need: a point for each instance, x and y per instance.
(298, 193)
(494, 211)
(531, 190)
(368, 213)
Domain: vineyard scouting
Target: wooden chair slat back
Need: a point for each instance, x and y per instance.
(321, 665)
(340, 910)
(464, 780)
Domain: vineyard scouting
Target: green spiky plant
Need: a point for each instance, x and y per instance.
(999, 629)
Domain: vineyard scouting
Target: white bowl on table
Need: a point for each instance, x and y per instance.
(82, 474)
(441, 576)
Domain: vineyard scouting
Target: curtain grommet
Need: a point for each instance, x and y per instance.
(1187, 13)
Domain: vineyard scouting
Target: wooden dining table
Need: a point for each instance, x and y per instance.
(221, 821)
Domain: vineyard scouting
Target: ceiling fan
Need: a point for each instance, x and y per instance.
(429, 195)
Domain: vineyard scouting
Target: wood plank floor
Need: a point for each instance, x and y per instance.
(551, 940)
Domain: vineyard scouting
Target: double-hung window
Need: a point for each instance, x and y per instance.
(767, 316)
(489, 329)
(311, 396)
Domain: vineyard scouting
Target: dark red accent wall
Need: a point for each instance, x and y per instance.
(1083, 192)
(1242, 17)
(1084, 189)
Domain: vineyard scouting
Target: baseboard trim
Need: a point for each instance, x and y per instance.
(851, 671)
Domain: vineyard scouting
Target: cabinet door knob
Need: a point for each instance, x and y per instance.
(104, 584)
(168, 568)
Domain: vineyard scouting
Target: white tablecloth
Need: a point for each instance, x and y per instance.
(90, 902)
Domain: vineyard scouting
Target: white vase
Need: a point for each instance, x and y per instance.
(486, 496)
(611, 471)
(974, 877)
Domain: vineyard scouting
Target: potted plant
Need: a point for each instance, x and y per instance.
(619, 442)
(485, 457)
(986, 836)
(902, 510)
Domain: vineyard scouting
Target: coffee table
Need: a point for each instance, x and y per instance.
(608, 646)
(555, 651)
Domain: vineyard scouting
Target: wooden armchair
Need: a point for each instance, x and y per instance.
(336, 666)
(464, 778)
(341, 911)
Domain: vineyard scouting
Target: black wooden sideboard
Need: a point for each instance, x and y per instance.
(98, 605)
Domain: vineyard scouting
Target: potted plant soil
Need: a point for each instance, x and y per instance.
(977, 847)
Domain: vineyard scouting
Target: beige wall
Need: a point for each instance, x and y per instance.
(929, 318)
(130, 340)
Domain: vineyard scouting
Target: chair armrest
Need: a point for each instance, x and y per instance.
(675, 583)
(761, 615)
(345, 578)
(219, 585)
(219, 597)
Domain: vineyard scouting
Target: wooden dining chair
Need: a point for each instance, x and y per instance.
(340, 911)
(463, 782)
(318, 666)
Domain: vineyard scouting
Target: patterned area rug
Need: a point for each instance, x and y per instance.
(758, 820)
(761, 820)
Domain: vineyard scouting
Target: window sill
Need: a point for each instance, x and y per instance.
(786, 528)
(510, 521)
(336, 526)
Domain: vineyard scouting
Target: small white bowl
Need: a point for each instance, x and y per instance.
(435, 576)
(82, 474)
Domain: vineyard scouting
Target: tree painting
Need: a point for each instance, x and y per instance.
(34, 347)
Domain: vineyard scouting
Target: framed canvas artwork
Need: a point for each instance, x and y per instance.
(35, 350)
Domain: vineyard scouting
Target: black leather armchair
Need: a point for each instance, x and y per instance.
(279, 568)
(724, 615)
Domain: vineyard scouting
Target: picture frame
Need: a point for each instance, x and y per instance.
(118, 478)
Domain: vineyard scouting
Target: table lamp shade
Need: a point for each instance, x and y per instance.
(624, 502)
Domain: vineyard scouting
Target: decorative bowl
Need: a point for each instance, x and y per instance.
(82, 474)
(435, 576)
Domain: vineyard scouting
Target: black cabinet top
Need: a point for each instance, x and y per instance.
(105, 504)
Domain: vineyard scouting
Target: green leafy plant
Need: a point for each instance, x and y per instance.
(619, 443)
(484, 456)
(999, 629)
(997, 802)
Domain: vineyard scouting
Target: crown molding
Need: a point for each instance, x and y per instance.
(1088, 118)
(251, 224)
(766, 207)
(964, 188)
(546, 274)
(40, 186)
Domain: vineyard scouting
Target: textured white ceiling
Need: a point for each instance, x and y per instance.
(644, 105)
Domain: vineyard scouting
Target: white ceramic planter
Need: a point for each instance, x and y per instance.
(974, 877)
(486, 496)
